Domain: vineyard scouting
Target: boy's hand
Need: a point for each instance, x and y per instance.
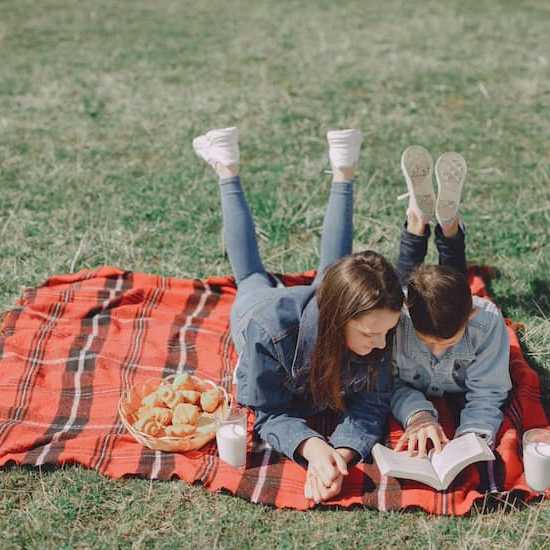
(327, 463)
(421, 428)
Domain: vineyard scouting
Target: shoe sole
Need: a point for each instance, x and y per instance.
(417, 167)
(450, 174)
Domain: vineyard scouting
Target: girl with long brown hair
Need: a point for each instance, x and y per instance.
(305, 349)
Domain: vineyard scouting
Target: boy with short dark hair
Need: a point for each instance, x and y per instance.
(447, 341)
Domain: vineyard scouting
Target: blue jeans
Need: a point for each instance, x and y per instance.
(242, 247)
(413, 249)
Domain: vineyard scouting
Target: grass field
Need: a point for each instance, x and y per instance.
(99, 102)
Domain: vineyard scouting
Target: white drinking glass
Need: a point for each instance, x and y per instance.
(231, 437)
(536, 458)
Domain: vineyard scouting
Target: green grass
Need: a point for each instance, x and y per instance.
(99, 102)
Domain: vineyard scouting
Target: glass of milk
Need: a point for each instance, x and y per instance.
(536, 458)
(231, 437)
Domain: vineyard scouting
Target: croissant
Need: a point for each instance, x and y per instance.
(210, 400)
(161, 415)
(183, 382)
(167, 395)
(179, 430)
(189, 396)
(152, 400)
(185, 413)
(182, 396)
(148, 426)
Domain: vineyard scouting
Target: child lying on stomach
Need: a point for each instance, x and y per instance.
(446, 341)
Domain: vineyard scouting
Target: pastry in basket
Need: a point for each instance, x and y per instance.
(152, 400)
(189, 396)
(180, 430)
(161, 415)
(148, 426)
(206, 423)
(185, 413)
(210, 400)
(167, 395)
(183, 382)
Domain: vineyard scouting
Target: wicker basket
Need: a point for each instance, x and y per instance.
(130, 402)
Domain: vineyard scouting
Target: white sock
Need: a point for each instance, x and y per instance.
(344, 147)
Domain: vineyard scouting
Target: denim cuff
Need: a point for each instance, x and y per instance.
(460, 235)
(346, 186)
(296, 440)
(431, 409)
(412, 251)
(230, 179)
(406, 234)
(478, 429)
(361, 445)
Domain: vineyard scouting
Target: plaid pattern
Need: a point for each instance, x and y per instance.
(70, 347)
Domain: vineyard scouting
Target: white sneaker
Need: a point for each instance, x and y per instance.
(450, 173)
(417, 167)
(344, 147)
(218, 146)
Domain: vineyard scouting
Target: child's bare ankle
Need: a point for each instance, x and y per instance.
(229, 171)
(416, 224)
(342, 174)
(450, 229)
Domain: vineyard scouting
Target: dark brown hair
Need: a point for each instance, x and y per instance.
(355, 285)
(439, 300)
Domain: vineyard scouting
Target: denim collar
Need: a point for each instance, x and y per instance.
(307, 335)
(461, 350)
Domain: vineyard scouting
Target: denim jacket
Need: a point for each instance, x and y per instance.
(275, 339)
(478, 365)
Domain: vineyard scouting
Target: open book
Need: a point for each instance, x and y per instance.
(439, 469)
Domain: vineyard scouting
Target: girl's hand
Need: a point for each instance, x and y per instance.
(324, 461)
(421, 428)
(315, 490)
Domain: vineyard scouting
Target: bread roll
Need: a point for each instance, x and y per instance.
(190, 396)
(168, 396)
(148, 426)
(152, 400)
(179, 430)
(161, 415)
(210, 400)
(183, 382)
(185, 413)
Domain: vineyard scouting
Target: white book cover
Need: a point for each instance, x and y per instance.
(437, 470)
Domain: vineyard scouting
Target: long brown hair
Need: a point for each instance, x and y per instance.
(355, 285)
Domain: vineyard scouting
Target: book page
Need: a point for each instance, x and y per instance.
(396, 464)
(457, 454)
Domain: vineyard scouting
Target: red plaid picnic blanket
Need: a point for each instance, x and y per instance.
(71, 346)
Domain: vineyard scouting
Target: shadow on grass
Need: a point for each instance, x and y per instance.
(491, 503)
(536, 302)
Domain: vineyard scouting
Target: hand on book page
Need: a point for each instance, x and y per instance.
(421, 428)
(439, 469)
